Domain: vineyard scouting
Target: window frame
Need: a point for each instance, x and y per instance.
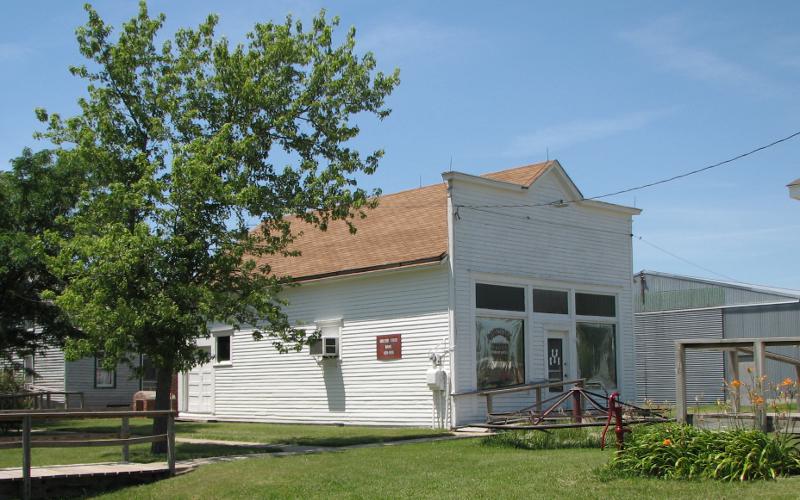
(113, 373)
(215, 348)
(502, 314)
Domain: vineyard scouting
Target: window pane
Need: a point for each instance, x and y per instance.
(590, 304)
(102, 377)
(550, 301)
(504, 298)
(597, 358)
(149, 377)
(223, 349)
(500, 352)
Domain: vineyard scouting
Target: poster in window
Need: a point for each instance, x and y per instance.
(597, 354)
(500, 352)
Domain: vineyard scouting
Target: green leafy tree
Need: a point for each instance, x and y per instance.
(34, 196)
(187, 142)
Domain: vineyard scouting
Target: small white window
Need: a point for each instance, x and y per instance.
(223, 349)
(103, 379)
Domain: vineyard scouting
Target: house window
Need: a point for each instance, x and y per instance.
(149, 378)
(590, 304)
(500, 352)
(496, 297)
(550, 301)
(223, 349)
(597, 353)
(103, 379)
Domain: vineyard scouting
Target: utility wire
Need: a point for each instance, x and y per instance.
(687, 261)
(650, 184)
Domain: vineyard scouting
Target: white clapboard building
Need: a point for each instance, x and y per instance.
(445, 290)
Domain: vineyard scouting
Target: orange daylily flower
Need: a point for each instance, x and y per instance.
(758, 400)
(667, 442)
(736, 384)
(787, 382)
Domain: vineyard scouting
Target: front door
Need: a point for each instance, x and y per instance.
(200, 388)
(557, 358)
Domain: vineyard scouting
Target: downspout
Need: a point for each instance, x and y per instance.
(450, 387)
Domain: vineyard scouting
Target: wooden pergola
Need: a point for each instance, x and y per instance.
(732, 347)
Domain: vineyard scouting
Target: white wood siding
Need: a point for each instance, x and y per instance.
(49, 368)
(576, 246)
(262, 385)
(79, 376)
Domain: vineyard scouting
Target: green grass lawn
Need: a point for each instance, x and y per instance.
(310, 435)
(139, 453)
(444, 469)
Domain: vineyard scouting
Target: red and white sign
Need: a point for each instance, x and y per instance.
(390, 346)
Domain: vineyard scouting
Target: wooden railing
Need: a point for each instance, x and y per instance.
(26, 417)
(40, 399)
(537, 387)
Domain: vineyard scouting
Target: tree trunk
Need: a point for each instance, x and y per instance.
(163, 402)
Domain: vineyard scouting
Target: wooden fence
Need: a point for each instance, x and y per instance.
(27, 417)
(39, 399)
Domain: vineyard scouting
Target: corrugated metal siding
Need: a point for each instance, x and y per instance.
(667, 293)
(263, 385)
(656, 334)
(551, 245)
(767, 321)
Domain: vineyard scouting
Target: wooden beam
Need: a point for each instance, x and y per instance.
(743, 342)
(125, 433)
(26, 458)
(759, 356)
(16, 415)
(62, 443)
(733, 362)
(680, 382)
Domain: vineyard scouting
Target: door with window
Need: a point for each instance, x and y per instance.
(200, 387)
(557, 358)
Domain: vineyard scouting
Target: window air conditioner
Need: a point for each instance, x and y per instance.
(327, 347)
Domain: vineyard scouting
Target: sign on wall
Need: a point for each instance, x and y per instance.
(390, 346)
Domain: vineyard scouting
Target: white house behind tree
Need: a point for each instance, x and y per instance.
(503, 279)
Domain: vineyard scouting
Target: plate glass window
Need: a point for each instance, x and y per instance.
(550, 301)
(500, 352)
(223, 349)
(500, 298)
(597, 356)
(592, 304)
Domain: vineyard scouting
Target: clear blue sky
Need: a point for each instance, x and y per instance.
(621, 93)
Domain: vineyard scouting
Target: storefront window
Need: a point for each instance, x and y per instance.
(597, 356)
(500, 352)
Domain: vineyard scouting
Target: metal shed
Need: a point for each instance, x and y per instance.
(670, 307)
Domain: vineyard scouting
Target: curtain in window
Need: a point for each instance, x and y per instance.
(500, 352)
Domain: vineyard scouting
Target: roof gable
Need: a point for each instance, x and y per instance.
(405, 229)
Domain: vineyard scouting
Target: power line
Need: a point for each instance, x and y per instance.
(682, 259)
(650, 184)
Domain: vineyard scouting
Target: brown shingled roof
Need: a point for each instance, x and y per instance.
(407, 228)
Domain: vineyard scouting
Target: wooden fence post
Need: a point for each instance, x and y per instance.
(125, 433)
(171, 443)
(680, 383)
(26, 457)
(539, 400)
(760, 409)
(733, 363)
(83, 401)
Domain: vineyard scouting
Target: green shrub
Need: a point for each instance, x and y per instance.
(545, 440)
(686, 452)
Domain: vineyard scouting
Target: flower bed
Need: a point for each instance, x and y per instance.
(685, 452)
